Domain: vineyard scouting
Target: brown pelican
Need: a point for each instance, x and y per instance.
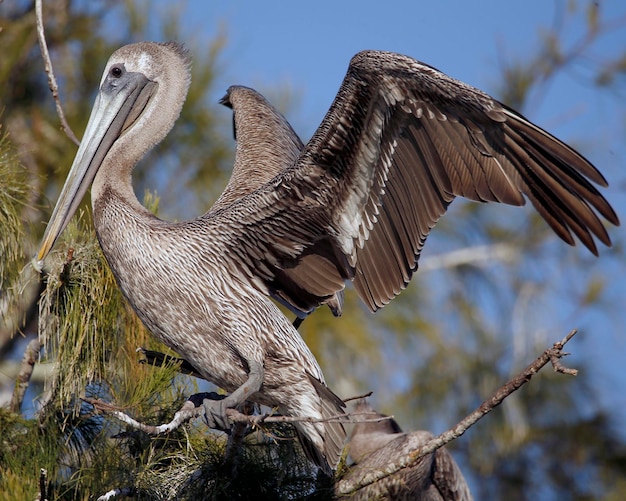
(375, 444)
(400, 141)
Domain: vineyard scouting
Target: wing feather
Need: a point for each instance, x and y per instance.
(399, 143)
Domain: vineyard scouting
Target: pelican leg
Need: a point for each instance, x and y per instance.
(215, 410)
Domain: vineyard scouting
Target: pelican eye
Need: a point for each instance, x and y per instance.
(116, 71)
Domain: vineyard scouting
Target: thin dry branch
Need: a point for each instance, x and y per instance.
(43, 485)
(470, 256)
(232, 454)
(186, 413)
(31, 355)
(52, 82)
(117, 493)
(553, 355)
(358, 397)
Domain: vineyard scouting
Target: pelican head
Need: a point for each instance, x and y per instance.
(143, 87)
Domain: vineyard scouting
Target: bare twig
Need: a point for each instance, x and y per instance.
(52, 82)
(232, 454)
(358, 397)
(349, 417)
(117, 493)
(31, 354)
(186, 413)
(43, 485)
(553, 355)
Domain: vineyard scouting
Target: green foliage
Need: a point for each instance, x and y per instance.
(24, 449)
(525, 73)
(81, 313)
(13, 200)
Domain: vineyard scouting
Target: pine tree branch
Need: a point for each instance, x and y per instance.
(232, 454)
(553, 355)
(186, 413)
(52, 82)
(193, 408)
(31, 355)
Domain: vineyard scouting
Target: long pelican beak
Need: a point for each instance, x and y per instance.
(118, 105)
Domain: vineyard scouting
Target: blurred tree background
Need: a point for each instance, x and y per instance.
(477, 312)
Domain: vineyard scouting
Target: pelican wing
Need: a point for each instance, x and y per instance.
(266, 146)
(266, 143)
(399, 143)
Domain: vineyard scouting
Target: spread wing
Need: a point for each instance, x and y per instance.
(266, 143)
(399, 143)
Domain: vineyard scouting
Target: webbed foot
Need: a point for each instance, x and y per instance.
(215, 410)
(215, 413)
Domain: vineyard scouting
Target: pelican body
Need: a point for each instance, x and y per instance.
(296, 221)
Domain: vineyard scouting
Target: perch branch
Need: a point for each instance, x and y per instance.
(186, 413)
(52, 82)
(192, 409)
(553, 355)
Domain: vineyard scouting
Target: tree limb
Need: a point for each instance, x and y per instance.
(187, 412)
(192, 409)
(553, 355)
(31, 354)
(52, 82)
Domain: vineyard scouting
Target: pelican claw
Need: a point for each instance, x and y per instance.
(215, 415)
